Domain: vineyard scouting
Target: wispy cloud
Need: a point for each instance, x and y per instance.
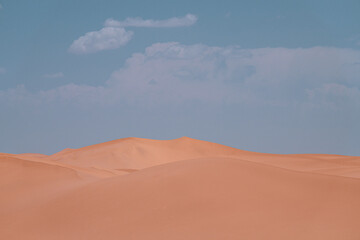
(2, 70)
(54, 75)
(185, 21)
(1, 6)
(106, 38)
(113, 35)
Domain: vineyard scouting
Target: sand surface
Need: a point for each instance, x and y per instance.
(184, 188)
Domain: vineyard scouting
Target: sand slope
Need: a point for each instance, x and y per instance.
(181, 189)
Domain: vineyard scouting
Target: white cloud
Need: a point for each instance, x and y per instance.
(172, 73)
(114, 35)
(2, 70)
(272, 76)
(54, 75)
(104, 39)
(185, 21)
(1, 6)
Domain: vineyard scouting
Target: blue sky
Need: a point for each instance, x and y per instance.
(268, 76)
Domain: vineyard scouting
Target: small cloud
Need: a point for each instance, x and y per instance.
(2, 70)
(106, 38)
(1, 6)
(54, 75)
(185, 21)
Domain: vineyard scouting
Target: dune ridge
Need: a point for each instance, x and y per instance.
(138, 153)
(184, 188)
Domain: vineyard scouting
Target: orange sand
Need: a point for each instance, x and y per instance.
(178, 189)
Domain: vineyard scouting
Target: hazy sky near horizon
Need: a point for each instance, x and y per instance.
(268, 76)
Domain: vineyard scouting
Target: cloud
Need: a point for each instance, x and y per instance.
(185, 21)
(1, 6)
(114, 35)
(104, 39)
(54, 75)
(266, 76)
(172, 73)
(265, 99)
(2, 70)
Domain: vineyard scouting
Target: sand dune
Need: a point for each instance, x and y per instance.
(178, 189)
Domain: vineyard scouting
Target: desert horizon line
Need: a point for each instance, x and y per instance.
(171, 139)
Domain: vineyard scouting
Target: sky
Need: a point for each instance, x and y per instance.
(266, 76)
